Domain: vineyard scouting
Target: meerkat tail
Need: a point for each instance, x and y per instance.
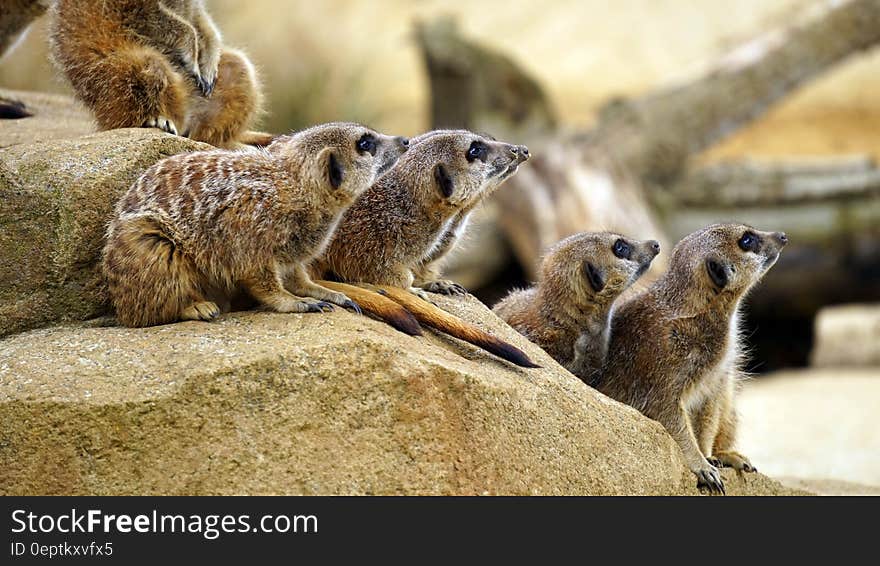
(383, 307)
(441, 320)
(258, 139)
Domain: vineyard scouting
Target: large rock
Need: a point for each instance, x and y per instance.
(56, 196)
(262, 403)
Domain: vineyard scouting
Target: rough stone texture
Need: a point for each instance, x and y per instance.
(262, 403)
(56, 196)
(814, 424)
(847, 336)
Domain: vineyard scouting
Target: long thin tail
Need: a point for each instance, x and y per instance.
(434, 317)
(383, 307)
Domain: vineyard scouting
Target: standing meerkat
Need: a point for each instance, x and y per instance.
(156, 63)
(398, 223)
(567, 312)
(197, 228)
(675, 351)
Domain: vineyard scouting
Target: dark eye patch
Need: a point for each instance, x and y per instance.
(622, 249)
(477, 150)
(366, 144)
(748, 242)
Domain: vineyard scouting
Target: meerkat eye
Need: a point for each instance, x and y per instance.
(367, 143)
(621, 249)
(478, 150)
(748, 242)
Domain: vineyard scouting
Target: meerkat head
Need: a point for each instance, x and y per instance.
(342, 157)
(727, 259)
(595, 268)
(463, 166)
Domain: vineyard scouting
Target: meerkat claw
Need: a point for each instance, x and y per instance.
(317, 307)
(710, 480)
(207, 87)
(162, 123)
(205, 310)
(443, 287)
(349, 304)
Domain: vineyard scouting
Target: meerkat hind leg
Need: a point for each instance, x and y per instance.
(722, 452)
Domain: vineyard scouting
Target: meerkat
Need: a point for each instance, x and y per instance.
(197, 228)
(427, 272)
(410, 209)
(567, 312)
(675, 350)
(159, 64)
(397, 224)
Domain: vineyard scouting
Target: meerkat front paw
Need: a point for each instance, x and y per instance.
(709, 478)
(206, 81)
(343, 301)
(204, 310)
(298, 305)
(444, 287)
(162, 123)
(732, 459)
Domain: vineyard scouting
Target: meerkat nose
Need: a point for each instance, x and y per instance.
(781, 238)
(655, 246)
(521, 152)
(402, 142)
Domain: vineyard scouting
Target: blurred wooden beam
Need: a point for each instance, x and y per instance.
(656, 134)
(746, 183)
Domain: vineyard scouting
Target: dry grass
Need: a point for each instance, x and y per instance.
(345, 59)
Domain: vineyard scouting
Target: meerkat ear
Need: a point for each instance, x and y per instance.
(444, 180)
(335, 172)
(594, 276)
(718, 272)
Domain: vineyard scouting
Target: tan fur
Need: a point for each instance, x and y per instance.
(155, 63)
(674, 352)
(195, 229)
(566, 313)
